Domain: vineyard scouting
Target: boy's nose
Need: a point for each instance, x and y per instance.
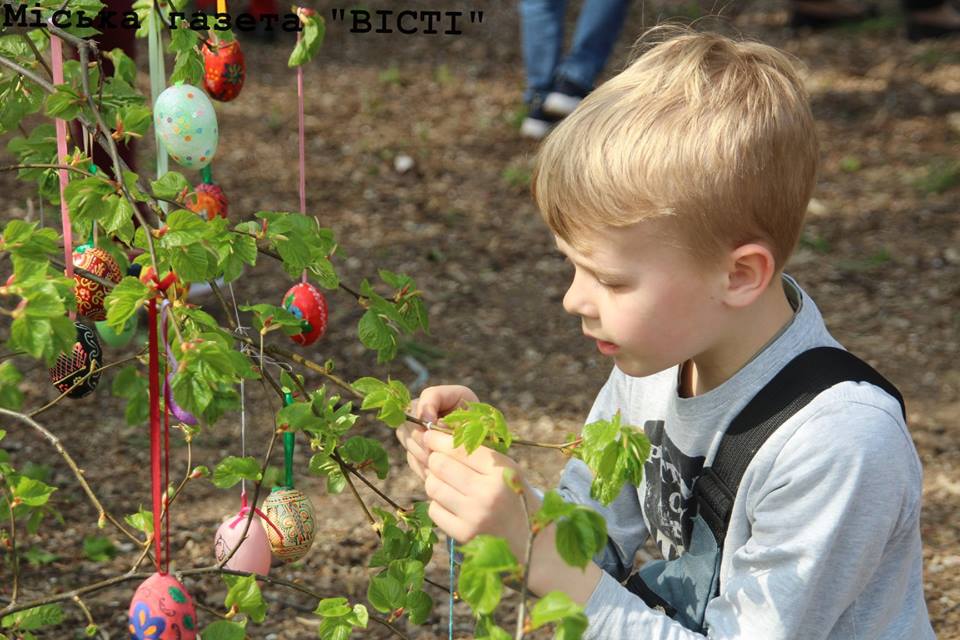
(577, 302)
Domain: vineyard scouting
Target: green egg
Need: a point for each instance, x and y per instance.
(114, 339)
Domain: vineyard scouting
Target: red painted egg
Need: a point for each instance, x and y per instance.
(224, 70)
(162, 609)
(308, 304)
(71, 367)
(90, 294)
(208, 202)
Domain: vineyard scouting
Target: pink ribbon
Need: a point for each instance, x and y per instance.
(303, 152)
(245, 510)
(56, 48)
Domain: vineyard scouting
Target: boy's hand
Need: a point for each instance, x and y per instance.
(470, 496)
(433, 403)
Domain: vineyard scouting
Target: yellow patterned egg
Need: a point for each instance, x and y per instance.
(291, 512)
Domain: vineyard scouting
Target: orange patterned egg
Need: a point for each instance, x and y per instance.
(90, 294)
(208, 201)
(224, 70)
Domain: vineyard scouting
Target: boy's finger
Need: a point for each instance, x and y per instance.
(446, 494)
(483, 460)
(455, 471)
(446, 521)
(419, 468)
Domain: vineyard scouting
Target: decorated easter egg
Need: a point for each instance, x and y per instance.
(292, 514)
(187, 125)
(177, 289)
(224, 70)
(72, 366)
(90, 294)
(114, 339)
(308, 304)
(208, 201)
(162, 609)
(253, 554)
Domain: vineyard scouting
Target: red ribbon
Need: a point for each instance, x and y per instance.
(154, 389)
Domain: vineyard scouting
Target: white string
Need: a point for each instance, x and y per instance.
(243, 403)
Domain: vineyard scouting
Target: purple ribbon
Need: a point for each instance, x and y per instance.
(181, 414)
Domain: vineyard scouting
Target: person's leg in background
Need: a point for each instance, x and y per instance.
(541, 33)
(924, 18)
(931, 19)
(598, 27)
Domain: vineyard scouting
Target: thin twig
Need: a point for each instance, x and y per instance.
(102, 513)
(13, 540)
(521, 614)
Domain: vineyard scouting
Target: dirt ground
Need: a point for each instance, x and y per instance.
(880, 256)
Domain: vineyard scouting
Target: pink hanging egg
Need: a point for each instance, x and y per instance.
(224, 70)
(162, 609)
(253, 554)
(305, 302)
(71, 367)
(208, 201)
(90, 294)
(292, 513)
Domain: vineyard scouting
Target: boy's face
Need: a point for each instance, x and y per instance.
(646, 297)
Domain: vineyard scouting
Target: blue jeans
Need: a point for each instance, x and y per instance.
(541, 25)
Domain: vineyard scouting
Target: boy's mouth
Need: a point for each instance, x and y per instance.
(607, 348)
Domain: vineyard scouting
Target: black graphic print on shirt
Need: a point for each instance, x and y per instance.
(669, 475)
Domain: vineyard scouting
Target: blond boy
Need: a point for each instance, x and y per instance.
(678, 190)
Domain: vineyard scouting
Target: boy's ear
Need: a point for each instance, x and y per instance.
(750, 269)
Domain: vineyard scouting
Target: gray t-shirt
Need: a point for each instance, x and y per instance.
(824, 538)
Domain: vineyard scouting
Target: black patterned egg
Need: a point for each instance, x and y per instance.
(74, 365)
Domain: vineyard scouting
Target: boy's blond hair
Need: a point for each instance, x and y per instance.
(714, 133)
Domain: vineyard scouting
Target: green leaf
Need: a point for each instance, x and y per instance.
(386, 593)
(245, 594)
(65, 103)
(224, 630)
(123, 301)
(557, 607)
(236, 252)
(485, 559)
(333, 607)
(376, 334)
(418, 607)
(11, 397)
(487, 630)
(98, 548)
(170, 185)
(232, 470)
(391, 397)
(615, 453)
(123, 66)
(129, 384)
(31, 492)
(554, 606)
(360, 450)
(478, 424)
(314, 29)
(38, 557)
(268, 315)
(141, 520)
(580, 536)
(35, 618)
(188, 68)
(89, 199)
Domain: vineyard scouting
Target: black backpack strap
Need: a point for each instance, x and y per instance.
(799, 382)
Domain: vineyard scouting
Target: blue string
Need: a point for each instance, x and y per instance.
(450, 549)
